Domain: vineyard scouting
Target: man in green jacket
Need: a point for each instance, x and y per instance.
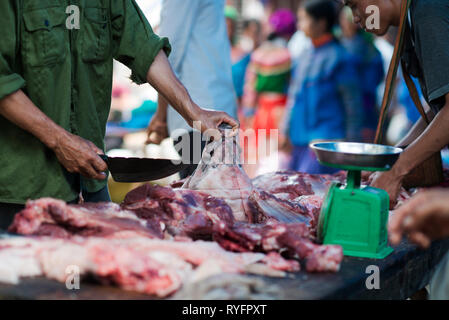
(55, 93)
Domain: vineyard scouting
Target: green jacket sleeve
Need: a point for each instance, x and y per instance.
(10, 81)
(135, 43)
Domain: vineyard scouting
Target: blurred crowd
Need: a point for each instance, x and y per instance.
(299, 76)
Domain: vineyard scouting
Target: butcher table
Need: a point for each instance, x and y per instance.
(407, 270)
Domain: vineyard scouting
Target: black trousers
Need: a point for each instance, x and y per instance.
(8, 210)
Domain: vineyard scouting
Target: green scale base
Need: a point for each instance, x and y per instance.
(356, 218)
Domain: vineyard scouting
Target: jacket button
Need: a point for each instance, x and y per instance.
(47, 23)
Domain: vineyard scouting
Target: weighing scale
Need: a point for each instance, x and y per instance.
(352, 215)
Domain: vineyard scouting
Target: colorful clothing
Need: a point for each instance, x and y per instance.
(272, 65)
(266, 86)
(270, 112)
(325, 98)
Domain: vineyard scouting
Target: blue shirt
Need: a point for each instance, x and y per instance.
(201, 55)
(238, 74)
(371, 73)
(325, 100)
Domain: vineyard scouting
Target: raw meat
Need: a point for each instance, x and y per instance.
(277, 214)
(182, 212)
(17, 259)
(278, 196)
(289, 185)
(294, 240)
(51, 217)
(220, 174)
(156, 267)
(201, 216)
(268, 206)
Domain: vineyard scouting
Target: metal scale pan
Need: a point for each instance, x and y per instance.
(356, 156)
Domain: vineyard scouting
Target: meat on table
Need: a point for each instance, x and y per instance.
(159, 238)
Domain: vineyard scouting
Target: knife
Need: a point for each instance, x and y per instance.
(141, 169)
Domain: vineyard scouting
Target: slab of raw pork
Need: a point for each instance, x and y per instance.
(291, 196)
(293, 240)
(155, 267)
(51, 217)
(182, 212)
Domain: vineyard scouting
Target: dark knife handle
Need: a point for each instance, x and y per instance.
(104, 158)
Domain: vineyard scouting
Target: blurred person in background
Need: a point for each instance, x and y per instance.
(369, 66)
(325, 101)
(251, 36)
(268, 79)
(298, 44)
(240, 58)
(201, 57)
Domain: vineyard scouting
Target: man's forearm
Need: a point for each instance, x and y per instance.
(162, 106)
(434, 138)
(21, 111)
(161, 77)
(417, 129)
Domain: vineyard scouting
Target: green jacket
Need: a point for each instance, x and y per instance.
(68, 75)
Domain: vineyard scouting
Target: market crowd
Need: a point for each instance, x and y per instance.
(312, 75)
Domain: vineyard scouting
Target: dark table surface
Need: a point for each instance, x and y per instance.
(404, 272)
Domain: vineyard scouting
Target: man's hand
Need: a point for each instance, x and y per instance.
(424, 218)
(78, 155)
(74, 153)
(209, 119)
(161, 77)
(389, 182)
(157, 130)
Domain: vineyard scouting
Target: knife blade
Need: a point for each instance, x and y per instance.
(132, 170)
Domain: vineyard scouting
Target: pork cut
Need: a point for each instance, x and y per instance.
(51, 217)
(151, 266)
(293, 240)
(181, 212)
